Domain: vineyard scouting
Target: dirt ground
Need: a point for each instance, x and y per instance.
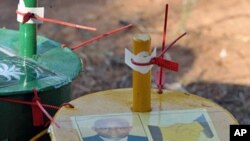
(214, 57)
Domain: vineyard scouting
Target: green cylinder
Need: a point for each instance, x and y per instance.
(50, 71)
(28, 35)
(17, 120)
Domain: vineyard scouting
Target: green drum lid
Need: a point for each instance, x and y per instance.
(51, 68)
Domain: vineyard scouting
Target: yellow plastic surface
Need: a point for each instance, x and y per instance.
(120, 101)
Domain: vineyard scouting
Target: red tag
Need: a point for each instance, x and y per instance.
(27, 17)
(165, 63)
(36, 111)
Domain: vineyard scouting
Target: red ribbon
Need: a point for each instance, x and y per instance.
(37, 108)
(37, 113)
(159, 62)
(101, 36)
(161, 75)
(162, 63)
(28, 16)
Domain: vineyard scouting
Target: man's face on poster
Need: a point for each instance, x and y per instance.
(113, 130)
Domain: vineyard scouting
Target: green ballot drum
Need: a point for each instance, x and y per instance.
(50, 71)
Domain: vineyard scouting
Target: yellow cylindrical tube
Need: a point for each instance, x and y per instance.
(141, 82)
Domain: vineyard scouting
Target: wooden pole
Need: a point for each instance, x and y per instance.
(141, 82)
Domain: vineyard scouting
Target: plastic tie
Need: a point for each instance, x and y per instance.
(28, 103)
(160, 83)
(47, 114)
(36, 111)
(101, 36)
(162, 63)
(27, 16)
(159, 62)
(34, 104)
